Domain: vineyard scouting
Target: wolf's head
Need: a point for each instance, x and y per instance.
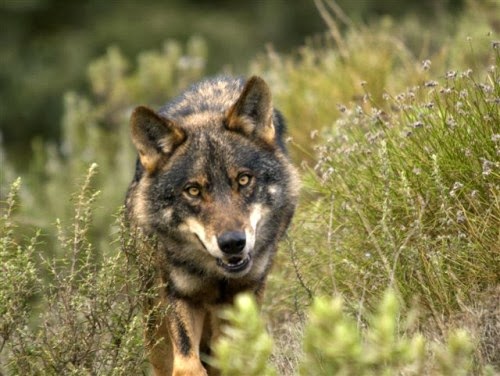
(214, 179)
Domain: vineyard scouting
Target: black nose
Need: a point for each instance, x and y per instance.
(232, 242)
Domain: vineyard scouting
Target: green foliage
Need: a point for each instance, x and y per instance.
(403, 191)
(419, 184)
(334, 344)
(454, 359)
(246, 344)
(86, 320)
(19, 282)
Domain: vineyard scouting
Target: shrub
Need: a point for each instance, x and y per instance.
(19, 282)
(334, 344)
(245, 344)
(85, 319)
(408, 198)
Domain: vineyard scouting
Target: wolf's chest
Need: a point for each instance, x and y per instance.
(206, 290)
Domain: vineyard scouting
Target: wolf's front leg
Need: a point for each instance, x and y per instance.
(185, 326)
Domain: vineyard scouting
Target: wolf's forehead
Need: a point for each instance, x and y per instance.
(213, 152)
(216, 155)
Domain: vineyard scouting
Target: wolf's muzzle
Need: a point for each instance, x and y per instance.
(232, 242)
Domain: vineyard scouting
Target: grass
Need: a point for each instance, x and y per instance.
(391, 266)
(406, 198)
(420, 182)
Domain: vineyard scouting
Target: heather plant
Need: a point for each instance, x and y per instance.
(90, 323)
(313, 85)
(408, 198)
(424, 175)
(19, 282)
(335, 345)
(82, 318)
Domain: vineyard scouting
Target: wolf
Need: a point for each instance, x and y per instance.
(215, 188)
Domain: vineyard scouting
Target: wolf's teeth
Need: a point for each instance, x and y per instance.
(235, 261)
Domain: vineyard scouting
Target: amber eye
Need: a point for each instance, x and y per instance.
(244, 179)
(193, 191)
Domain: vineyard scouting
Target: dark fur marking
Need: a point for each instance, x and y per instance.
(184, 342)
(280, 127)
(139, 171)
(187, 266)
(225, 295)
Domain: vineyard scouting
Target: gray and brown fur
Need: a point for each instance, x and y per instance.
(215, 188)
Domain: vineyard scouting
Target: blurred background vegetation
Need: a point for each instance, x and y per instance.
(46, 45)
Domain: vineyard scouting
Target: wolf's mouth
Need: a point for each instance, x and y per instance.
(234, 264)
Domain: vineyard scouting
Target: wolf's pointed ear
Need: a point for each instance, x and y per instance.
(154, 137)
(252, 114)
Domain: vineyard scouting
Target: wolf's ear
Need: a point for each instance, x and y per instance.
(252, 114)
(154, 137)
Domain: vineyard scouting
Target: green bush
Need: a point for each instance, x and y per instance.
(405, 197)
(334, 344)
(19, 282)
(245, 331)
(84, 319)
